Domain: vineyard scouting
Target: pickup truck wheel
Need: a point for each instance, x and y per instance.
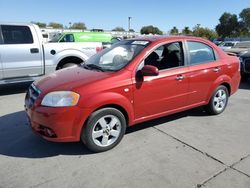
(104, 129)
(218, 101)
(69, 65)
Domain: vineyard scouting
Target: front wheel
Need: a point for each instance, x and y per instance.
(104, 129)
(218, 101)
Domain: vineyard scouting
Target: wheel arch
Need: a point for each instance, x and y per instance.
(223, 80)
(69, 59)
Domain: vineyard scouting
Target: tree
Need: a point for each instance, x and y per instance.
(55, 25)
(204, 32)
(174, 31)
(245, 22)
(40, 24)
(186, 31)
(228, 26)
(118, 29)
(78, 25)
(150, 30)
(131, 30)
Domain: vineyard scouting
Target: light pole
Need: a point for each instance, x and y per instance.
(129, 19)
(70, 25)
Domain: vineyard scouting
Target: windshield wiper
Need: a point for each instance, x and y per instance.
(93, 66)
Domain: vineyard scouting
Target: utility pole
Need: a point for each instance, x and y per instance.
(129, 19)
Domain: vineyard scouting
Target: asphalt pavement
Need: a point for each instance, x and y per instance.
(188, 149)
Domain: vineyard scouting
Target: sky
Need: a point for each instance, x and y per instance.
(108, 14)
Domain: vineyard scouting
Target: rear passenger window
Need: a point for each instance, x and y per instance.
(16, 34)
(200, 53)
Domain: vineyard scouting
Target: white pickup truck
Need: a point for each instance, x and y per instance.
(24, 57)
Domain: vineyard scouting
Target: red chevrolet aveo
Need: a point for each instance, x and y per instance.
(131, 82)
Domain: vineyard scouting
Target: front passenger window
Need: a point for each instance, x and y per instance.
(166, 56)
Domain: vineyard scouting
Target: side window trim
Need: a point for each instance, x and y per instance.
(215, 57)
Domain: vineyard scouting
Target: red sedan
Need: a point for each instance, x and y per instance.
(131, 82)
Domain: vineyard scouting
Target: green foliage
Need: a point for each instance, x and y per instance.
(245, 21)
(186, 31)
(131, 30)
(40, 24)
(78, 25)
(55, 25)
(118, 29)
(204, 32)
(228, 26)
(232, 26)
(150, 30)
(174, 31)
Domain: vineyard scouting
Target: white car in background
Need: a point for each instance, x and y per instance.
(227, 44)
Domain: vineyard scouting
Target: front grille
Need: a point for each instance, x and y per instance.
(247, 65)
(32, 94)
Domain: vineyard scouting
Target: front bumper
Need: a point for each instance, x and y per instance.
(62, 124)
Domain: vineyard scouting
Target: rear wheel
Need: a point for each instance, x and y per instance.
(218, 101)
(104, 129)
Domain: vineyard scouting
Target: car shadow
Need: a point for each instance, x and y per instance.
(14, 88)
(18, 140)
(193, 112)
(245, 85)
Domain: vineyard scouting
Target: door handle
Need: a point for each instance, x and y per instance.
(180, 77)
(34, 50)
(217, 69)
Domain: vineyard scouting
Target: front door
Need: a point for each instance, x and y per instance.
(20, 53)
(156, 95)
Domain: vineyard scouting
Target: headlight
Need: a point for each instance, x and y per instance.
(60, 99)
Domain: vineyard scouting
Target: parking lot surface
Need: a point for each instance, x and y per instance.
(188, 149)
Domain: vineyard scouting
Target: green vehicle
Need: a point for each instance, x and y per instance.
(83, 37)
(105, 38)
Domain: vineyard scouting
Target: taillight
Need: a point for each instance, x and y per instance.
(98, 49)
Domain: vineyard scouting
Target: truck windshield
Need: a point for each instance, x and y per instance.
(116, 57)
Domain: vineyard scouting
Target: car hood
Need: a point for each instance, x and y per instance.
(69, 78)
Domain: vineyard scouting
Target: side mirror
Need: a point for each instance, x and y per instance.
(149, 70)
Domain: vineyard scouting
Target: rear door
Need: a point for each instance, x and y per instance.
(204, 69)
(20, 53)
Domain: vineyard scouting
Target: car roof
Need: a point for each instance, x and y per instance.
(166, 37)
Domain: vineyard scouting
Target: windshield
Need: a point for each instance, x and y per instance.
(116, 57)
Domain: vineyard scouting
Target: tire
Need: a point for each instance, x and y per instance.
(104, 129)
(218, 101)
(68, 65)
